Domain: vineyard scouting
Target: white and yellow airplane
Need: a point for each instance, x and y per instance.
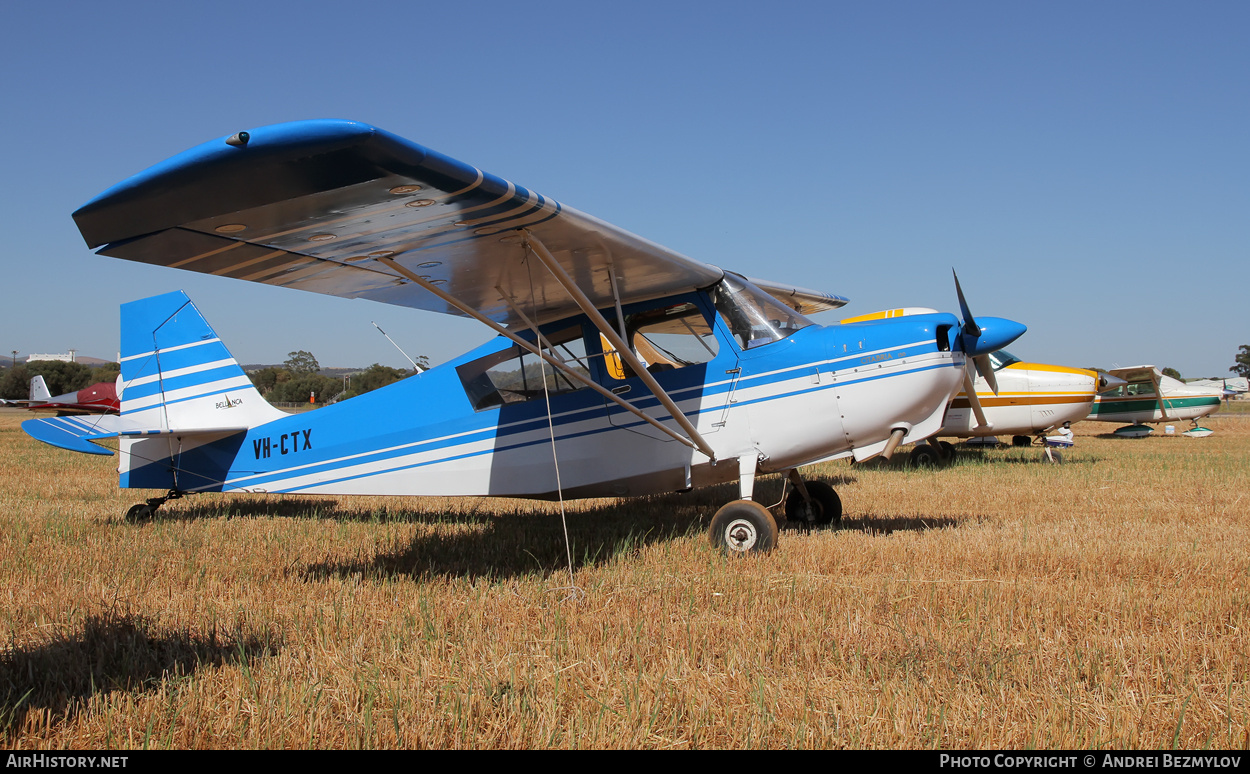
(1147, 395)
(1007, 396)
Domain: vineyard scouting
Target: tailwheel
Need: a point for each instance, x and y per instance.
(140, 513)
(743, 527)
(824, 508)
(146, 511)
(1052, 456)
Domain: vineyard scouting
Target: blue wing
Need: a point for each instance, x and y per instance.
(312, 204)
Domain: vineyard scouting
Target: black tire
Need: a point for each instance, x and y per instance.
(1021, 440)
(925, 456)
(1052, 456)
(826, 504)
(743, 527)
(140, 513)
(948, 449)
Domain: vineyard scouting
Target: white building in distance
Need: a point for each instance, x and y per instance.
(68, 357)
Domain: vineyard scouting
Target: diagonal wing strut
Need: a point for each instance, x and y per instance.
(541, 353)
(622, 349)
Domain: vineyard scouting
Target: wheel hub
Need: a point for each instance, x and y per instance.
(741, 535)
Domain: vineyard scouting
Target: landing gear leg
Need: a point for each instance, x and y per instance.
(1050, 455)
(812, 503)
(743, 526)
(145, 511)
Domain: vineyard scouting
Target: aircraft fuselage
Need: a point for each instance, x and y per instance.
(473, 427)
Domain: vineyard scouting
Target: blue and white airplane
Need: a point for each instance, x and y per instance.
(621, 368)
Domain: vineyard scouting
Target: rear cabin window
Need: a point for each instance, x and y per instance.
(514, 375)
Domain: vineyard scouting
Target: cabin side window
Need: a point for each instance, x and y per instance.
(514, 375)
(664, 338)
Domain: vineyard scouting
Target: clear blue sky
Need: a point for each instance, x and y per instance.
(1084, 166)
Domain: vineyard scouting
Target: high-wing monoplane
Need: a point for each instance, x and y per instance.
(1150, 396)
(621, 368)
(99, 398)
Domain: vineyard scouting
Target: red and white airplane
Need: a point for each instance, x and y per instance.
(100, 398)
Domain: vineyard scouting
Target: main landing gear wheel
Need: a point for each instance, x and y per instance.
(925, 456)
(1021, 440)
(743, 527)
(948, 449)
(825, 508)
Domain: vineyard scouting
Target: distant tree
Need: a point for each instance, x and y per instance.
(106, 373)
(1243, 361)
(1172, 372)
(267, 378)
(60, 376)
(301, 362)
(372, 378)
(298, 388)
(15, 384)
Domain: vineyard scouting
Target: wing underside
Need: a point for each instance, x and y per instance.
(312, 205)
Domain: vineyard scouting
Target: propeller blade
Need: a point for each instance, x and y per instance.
(971, 390)
(986, 369)
(970, 324)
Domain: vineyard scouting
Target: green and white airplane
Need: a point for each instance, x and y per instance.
(1151, 397)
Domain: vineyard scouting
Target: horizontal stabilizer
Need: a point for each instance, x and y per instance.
(74, 433)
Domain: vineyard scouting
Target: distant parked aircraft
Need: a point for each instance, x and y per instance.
(1149, 396)
(100, 398)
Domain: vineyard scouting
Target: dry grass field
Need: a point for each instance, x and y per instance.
(997, 603)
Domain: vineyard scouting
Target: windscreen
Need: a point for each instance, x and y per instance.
(754, 317)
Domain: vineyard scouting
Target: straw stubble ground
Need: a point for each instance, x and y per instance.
(999, 603)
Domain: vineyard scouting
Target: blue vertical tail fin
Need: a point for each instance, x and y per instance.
(177, 376)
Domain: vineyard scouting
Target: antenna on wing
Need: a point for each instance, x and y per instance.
(415, 367)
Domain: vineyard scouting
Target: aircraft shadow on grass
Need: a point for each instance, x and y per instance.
(42, 684)
(1029, 455)
(517, 541)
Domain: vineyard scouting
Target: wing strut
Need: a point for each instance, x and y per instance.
(622, 349)
(1157, 381)
(528, 347)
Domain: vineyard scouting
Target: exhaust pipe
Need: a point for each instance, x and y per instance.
(896, 437)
